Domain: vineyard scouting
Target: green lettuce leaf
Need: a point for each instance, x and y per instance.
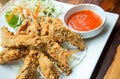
(14, 20)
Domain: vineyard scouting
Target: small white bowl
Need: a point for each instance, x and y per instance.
(96, 9)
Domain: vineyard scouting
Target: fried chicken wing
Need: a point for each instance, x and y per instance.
(46, 24)
(28, 28)
(30, 66)
(55, 51)
(41, 39)
(47, 67)
(61, 34)
(12, 54)
(11, 40)
(33, 28)
(60, 56)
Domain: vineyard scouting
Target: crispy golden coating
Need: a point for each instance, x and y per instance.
(54, 27)
(11, 40)
(60, 56)
(43, 35)
(34, 28)
(47, 67)
(30, 66)
(61, 34)
(12, 54)
(46, 24)
(55, 51)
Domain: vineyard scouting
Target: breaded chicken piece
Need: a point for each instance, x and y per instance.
(47, 67)
(11, 40)
(56, 21)
(33, 28)
(28, 28)
(56, 32)
(60, 56)
(30, 66)
(12, 54)
(46, 23)
(59, 32)
(62, 34)
(55, 51)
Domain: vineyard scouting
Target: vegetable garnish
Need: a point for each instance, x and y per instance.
(73, 52)
(30, 9)
(13, 20)
(35, 15)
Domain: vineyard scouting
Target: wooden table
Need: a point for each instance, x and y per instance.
(114, 40)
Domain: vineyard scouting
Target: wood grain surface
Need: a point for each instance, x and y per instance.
(114, 70)
(109, 51)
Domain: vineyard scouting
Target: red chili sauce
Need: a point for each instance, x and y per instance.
(84, 20)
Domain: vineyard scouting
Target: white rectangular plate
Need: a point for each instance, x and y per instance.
(94, 49)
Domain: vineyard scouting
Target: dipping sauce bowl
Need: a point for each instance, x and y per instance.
(85, 19)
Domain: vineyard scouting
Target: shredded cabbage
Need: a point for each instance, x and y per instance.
(74, 59)
(47, 8)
